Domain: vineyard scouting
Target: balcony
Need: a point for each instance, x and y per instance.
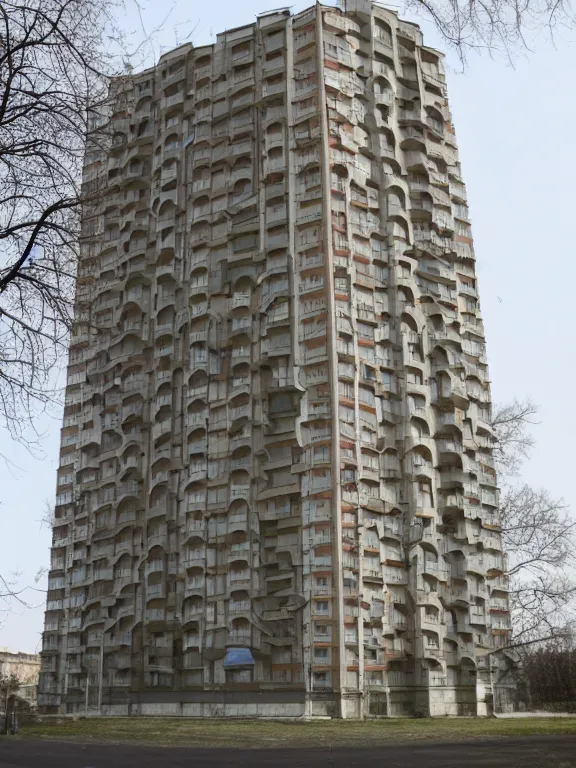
(125, 610)
(240, 412)
(103, 574)
(155, 566)
(439, 570)
(237, 521)
(239, 637)
(194, 559)
(239, 551)
(157, 510)
(240, 300)
(156, 614)
(196, 526)
(128, 489)
(395, 575)
(240, 606)
(197, 446)
(195, 584)
(166, 102)
(116, 641)
(477, 614)
(239, 578)
(155, 591)
(239, 492)
(350, 636)
(499, 603)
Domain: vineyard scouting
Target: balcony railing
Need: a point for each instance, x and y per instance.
(239, 606)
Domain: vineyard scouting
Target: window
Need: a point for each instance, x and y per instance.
(370, 461)
(321, 606)
(239, 675)
(217, 495)
(78, 574)
(414, 377)
(193, 677)
(369, 373)
(280, 402)
(366, 396)
(346, 414)
(101, 520)
(321, 654)
(365, 331)
(346, 390)
(341, 284)
(367, 353)
(346, 369)
(160, 679)
(424, 494)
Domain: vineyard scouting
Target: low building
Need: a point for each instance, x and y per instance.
(25, 667)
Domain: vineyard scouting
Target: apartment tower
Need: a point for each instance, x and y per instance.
(276, 493)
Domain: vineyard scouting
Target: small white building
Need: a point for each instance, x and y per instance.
(25, 667)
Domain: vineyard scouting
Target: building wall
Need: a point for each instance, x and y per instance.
(25, 667)
(276, 435)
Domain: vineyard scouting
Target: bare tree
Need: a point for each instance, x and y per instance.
(53, 80)
(10, 594)
(501, 26)
(550, 669)
(538, 534)
(58, 60)
(512, 442)
(9, 687)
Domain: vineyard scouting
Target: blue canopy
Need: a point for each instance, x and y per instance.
(238, 657)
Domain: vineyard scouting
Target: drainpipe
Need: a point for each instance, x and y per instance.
(332, 358)
(491, 687)
(6, 708)
(101, 676)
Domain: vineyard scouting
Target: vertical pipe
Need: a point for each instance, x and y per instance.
(101, 676)
(332, 355)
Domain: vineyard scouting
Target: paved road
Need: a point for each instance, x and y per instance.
(532, 752)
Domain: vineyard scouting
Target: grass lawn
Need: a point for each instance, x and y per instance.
(258, 734)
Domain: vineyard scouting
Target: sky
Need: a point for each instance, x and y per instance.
(515, 130)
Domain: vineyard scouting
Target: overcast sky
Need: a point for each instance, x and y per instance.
(515, 128)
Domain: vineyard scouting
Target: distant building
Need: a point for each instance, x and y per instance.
(25, 667)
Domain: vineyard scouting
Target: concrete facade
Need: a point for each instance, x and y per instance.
(276, 492)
